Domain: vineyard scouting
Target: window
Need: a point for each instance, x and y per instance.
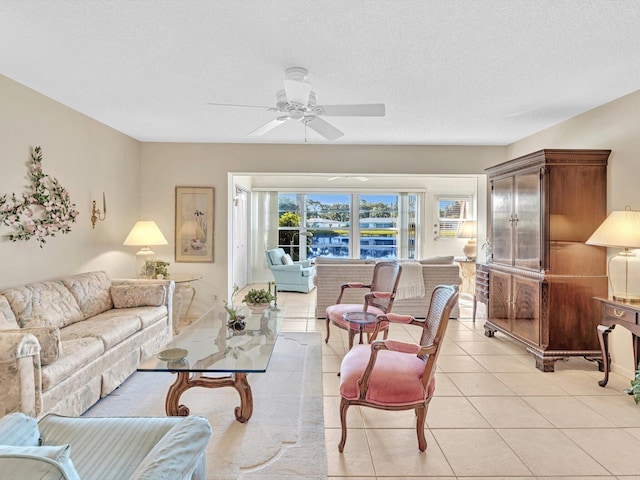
(451, 212)
(386, 225)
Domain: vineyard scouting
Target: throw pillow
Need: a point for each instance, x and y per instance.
(49, 340)
(130, 296)
(287, 260)
(37, 462)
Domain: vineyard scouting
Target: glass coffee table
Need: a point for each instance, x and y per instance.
(210, 346)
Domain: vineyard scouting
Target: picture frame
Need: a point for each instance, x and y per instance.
(194, 223)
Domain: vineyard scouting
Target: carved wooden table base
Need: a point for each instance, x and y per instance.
(187, 380)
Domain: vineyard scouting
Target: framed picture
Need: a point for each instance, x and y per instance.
(194, 224)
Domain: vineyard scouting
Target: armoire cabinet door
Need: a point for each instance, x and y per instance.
(526, 225)
(526, 308)
(501, 216)
(500, 305)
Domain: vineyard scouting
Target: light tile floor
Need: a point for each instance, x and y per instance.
(494, 416)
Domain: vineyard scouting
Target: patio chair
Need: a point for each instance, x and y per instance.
(290, 276)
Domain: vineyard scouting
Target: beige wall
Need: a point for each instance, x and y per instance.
(614, 126)
(87, 158)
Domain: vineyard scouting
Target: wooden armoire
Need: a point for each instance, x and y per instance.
(542, 275)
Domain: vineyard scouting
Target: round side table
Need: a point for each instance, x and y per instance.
(358, 319)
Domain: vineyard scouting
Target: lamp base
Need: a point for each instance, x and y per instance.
(470, 249)
(626, 298)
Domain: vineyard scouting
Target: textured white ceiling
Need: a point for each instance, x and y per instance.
(450, 71)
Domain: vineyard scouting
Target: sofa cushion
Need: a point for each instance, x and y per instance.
(437, 260)
(7, 318)
(76, 353)
(46, 462)
(147, 315)
(111, 327)
(49, 339)
(19, 429)
(91, 291)
(129, 296)
(43, 304)
(275, 256)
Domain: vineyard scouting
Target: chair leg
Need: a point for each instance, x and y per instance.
(344, 405)
(326, 340)
(351, 335)
(421, 413)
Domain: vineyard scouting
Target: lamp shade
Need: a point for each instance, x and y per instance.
(468, 229)
(620, 229)
(145, 233)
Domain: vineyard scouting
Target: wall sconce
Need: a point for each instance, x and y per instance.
(96, 214)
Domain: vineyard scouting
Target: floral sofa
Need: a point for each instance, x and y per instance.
(333, 272)
(68, 342)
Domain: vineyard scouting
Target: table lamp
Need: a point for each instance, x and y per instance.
(621, 229)
(468, 229)
(143, 234)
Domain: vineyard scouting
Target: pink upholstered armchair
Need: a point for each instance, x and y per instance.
(378, 300)
(394, 375)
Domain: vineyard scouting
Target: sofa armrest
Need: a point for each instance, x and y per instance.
(170, 286)
(134, 447)
(20, 374)
(179, 454)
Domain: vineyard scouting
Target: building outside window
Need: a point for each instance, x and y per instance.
(320, 224)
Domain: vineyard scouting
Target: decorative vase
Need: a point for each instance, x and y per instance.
(258, 307)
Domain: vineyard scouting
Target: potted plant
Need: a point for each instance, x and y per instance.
(634, 389)
(258, 299)
(156, 269)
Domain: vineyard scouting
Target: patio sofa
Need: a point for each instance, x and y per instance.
(135, 448)
(66, 343)
(333, 272)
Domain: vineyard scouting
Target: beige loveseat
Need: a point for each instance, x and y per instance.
(68, 342)
(333, 272)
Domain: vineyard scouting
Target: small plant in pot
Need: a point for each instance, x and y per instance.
(634, 389)
(258, 299)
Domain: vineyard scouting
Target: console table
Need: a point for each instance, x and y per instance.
(614, 313)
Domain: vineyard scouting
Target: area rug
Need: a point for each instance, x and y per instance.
(284, 439)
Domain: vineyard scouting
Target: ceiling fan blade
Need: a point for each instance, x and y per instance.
(325, 129)
(297, 92)
(362, 110)
(241, 106)
(268, 126)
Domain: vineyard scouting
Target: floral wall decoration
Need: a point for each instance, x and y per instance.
(44, 210)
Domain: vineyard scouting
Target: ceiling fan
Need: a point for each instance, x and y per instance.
(298, 102)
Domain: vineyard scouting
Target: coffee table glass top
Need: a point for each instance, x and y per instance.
(210, 345)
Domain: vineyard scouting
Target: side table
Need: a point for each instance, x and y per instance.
(468, 274)
(184, 287)
(614, 313)
(359, 320)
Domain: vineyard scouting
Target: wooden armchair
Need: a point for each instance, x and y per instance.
(394, 375)
(378, 300)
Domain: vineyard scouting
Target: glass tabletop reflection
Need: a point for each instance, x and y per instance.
(210, 344)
